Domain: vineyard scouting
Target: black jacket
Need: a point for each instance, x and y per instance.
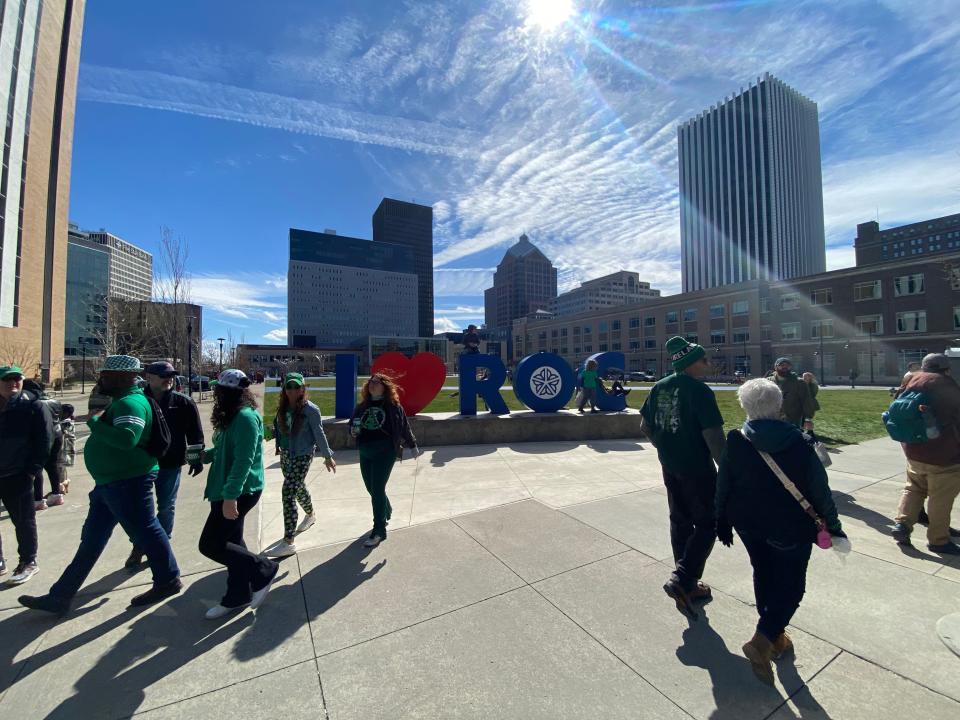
(400, 432)
(183, 419)
(26, 435)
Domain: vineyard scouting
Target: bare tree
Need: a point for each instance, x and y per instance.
(171, 288)
(20, 354)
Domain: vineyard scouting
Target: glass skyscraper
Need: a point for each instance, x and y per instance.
(88, 282)
(751, 196)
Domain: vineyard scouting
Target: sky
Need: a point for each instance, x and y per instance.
(231, 121)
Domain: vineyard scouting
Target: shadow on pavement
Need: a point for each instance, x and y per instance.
(442, 455)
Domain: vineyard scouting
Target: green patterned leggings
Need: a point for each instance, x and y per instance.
(294, 490)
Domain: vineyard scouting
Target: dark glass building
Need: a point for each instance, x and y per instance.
(525, 281)
(411, 225)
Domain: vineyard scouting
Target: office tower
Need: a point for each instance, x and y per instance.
(619, 288)
(39, 58)
(409, 224)
(525, 281)
(88, 282)
(341, 290)
(927, 237)
(751, 198)
(131, 268)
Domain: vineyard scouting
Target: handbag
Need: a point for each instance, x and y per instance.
(824, 539)
(819, 448)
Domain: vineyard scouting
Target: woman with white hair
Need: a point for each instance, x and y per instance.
(772, 489)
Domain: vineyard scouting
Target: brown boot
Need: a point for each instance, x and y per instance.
(701, 592)
(782, 646)
(759, 652)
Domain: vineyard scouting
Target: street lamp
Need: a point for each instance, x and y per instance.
(190, 357)
(221, 355)
(820, 332)
(870, 351)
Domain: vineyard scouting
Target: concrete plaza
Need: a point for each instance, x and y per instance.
(516, 582)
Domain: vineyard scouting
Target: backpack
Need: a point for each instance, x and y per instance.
(158, 444)
(910, 419)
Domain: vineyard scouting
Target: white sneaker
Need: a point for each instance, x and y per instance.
(218, 611)
(372, 541)
(54, 499)
(23, 572)
(282, 549)
(40, 505)
(306, 523)
(260, 595)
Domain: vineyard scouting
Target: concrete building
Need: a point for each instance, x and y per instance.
(411, 225)
(131, 267)
(39, 58)
(525, 281)
(619, 288)
(929, 237)
(276, 360)
(751, 197)
(874, 320)
(85, 318)
(340, 290)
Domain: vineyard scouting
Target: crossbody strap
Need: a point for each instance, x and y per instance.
(786, 482)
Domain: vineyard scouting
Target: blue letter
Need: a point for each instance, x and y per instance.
(346, 394)
(488, 388)
(543, 382)
(605, 361)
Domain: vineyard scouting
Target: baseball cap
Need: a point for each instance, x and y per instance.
(161, 368)
(935, 362)
(781, 361)
(8, 371)
(235, 379)
(295, 378)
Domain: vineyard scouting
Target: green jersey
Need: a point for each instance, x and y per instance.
(678, 409)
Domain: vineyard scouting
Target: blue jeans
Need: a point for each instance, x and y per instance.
(130, 503)
(168, 485)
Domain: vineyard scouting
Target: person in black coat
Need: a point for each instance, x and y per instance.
(776, 530)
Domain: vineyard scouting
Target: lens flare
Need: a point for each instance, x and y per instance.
(547, 15)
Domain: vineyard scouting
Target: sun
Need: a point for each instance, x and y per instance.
(547, 15)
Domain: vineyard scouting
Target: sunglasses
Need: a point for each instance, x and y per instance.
(292, 386)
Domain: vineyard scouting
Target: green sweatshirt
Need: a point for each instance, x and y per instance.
(236, 457)
(115, 449)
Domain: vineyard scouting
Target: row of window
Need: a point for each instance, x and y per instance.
(910, 321)
(903, 286)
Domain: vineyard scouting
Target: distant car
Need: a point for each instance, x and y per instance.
(200, 383)
(638, 376)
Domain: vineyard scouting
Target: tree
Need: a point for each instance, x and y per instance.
(20, 354)
(171, 290)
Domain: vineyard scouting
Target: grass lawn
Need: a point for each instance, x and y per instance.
(845, 417)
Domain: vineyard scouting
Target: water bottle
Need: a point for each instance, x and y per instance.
(933, 431)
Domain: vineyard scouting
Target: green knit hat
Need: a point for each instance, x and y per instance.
(683, 353)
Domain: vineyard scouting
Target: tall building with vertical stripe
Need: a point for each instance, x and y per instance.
(751, 195)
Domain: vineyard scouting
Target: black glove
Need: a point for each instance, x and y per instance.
(725, 534)
(195, 470)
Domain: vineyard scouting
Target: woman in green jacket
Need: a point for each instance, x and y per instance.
(234, 484)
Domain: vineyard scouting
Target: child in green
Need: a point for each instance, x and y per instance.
(381, 429)
(590, 383)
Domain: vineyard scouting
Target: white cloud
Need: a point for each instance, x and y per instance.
(278, 336)
(242, 296)
(444, 324)
(461, 281)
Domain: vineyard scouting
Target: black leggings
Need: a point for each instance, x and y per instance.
(779, 582)
(54, 471)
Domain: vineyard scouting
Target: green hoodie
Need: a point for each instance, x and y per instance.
(116, 447)
(237, 457)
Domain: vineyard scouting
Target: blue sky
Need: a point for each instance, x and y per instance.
(232, 121)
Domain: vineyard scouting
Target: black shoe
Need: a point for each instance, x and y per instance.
(923, 518)
(594, 411)
(47, 603)
(674, 589)
(901, 533)
(157, 593)
(954, 532)
(135, 560)
(948, 548)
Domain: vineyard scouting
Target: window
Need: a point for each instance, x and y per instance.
(563, 332)
(616, 324)
(821, 326)
(765, 332)
(912, 321)
(867, 291)
(741, 336)
(790, 331)
(863, 364)
(956, 317)
(718, 311)
(764, 304)
(576, 350)
(691, 338)
(718, 337)
(823, 296)
(576, 330)
(672, 317)
(869, 324)
(588, 348)
(908, 285)
(690, 315)
(634, 322)
(603, 347)
(634, 344)
(790, 301)
(554, 333)
(649, 321)
(650, 344)
(603, 326)
(616, 346)
(586, 330)
(740, 307)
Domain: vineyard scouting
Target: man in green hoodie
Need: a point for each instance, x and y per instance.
(681, 418)
(124, 472)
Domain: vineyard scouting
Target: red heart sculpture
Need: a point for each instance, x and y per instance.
(419, 378)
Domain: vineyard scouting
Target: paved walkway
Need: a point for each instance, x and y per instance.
(517, 582)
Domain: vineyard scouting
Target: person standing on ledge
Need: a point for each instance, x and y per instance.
(682, 419)
(471, 340)
(590, 383)
(798, 405)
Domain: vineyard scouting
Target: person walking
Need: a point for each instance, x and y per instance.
(124, 471)
(933, 467)
(234, 483)
(382, 430)
(26, 433)
(798, 405)
(682, 419)
(52, 467)
(774, 527)
(590, 383)
(183, 419)
(68, 450)
(298, 430)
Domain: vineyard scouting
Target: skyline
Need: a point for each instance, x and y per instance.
(232, 127)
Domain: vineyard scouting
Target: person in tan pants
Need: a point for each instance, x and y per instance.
(933, 467)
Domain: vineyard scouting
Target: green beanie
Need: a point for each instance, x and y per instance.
(683, 353)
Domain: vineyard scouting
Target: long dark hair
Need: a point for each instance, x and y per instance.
(227, 402)
(390, 391)
(285, 406)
